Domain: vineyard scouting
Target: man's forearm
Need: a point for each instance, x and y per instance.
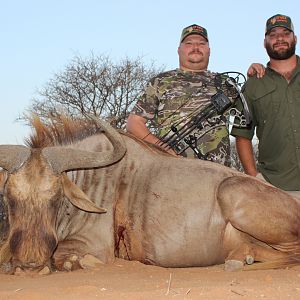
(136, 125)
(245, 152)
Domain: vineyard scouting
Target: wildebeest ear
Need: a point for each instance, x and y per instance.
(77, 197)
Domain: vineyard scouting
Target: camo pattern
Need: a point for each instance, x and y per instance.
(174, 97)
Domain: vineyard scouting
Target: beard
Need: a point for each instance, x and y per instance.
(281, 54)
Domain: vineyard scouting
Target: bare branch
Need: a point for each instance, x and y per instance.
(93, 85)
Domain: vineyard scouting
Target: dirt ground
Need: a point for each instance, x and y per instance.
(126, 280)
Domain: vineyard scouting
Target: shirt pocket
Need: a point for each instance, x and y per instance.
(296, 90)
(265, 108)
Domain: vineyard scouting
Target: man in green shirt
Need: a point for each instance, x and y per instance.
(274, 101)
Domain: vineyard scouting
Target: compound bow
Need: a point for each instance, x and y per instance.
(180, 139)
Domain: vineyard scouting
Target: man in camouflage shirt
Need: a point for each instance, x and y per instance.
(174, 97)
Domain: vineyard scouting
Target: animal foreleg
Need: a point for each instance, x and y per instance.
(67, 255)
(72, 255)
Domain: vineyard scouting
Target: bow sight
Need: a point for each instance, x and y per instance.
(180, 138)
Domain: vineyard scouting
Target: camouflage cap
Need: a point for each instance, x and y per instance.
(193, 29)
(279, 21)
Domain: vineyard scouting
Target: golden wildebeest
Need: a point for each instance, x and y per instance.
(74, 191)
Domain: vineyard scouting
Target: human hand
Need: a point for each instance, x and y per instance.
(172, 152)
(167, 149)
(256, 69)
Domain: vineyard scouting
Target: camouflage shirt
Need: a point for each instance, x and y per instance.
(174, 97)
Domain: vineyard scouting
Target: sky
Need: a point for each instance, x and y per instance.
(39, 38)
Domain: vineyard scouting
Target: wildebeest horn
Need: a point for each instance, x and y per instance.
(13, 156)
(64, 159)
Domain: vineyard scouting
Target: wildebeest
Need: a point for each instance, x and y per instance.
(78, 193)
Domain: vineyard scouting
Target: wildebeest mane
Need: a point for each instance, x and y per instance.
(63, 130)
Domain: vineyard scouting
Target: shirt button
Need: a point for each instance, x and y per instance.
(295, 130)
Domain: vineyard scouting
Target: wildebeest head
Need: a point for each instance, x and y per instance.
(35, 186)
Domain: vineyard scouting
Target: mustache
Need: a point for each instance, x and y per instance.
(196, 52)
(281, 44)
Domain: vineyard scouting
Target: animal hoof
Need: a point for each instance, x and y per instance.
(45, 271)
(89, 261)
(68, 265)
(74, 258)
(249, 259)
(233, 265)
(19, 271)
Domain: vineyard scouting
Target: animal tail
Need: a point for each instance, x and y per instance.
(287, 261)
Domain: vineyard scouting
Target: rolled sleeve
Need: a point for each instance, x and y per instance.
(247, 133)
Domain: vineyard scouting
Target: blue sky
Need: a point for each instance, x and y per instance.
(39, 37)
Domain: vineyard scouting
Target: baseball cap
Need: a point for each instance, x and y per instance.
(193, 29)
(279, 21)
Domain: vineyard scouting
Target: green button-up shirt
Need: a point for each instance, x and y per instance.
(275, 105)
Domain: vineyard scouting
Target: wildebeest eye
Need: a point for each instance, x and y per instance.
(54, 202)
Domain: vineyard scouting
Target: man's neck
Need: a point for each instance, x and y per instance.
(196, 67)
(284, 67)
(192, 70)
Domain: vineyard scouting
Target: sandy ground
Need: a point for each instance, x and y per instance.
(132, 280)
